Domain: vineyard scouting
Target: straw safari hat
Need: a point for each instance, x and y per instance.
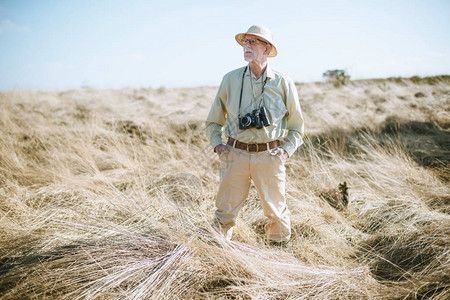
(261, 31)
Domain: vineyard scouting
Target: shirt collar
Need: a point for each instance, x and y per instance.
(268, 73)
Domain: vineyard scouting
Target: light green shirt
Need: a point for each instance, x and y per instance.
(280, 100)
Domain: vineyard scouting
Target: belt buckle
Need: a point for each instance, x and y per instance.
(257, 147)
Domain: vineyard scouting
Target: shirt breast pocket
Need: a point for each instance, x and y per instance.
(276, 109)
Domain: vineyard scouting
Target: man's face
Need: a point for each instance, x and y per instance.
(256, 52)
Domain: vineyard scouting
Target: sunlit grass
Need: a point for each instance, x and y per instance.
(109, 194)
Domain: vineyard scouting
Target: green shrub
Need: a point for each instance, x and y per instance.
(338, 77)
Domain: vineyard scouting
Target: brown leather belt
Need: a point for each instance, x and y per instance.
(252, 147)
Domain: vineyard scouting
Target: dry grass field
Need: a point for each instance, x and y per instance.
(109, 194)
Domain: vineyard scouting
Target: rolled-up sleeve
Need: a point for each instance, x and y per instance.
(295, 126)
(217, 116)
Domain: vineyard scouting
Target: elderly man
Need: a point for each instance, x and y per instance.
(259, 110)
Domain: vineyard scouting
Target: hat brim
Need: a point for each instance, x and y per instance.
(273, 52)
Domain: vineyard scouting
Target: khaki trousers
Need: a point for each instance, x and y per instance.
(237, 169)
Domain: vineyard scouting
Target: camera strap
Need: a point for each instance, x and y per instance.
(242, 88)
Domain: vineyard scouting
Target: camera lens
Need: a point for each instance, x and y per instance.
(246, 120)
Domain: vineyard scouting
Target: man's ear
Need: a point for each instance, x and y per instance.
(268, 49)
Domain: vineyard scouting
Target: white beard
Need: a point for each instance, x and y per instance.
(248, 59)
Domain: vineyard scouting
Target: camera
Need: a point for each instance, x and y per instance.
(257, 118)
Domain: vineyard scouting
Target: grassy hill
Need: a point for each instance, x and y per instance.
(108, 194)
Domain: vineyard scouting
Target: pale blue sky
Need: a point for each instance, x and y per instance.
(65, 44)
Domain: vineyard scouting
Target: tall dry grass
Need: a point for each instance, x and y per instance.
(108, 194)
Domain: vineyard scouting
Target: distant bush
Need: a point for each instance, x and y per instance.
(415, 79)
(338, 77)
(431, 80)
